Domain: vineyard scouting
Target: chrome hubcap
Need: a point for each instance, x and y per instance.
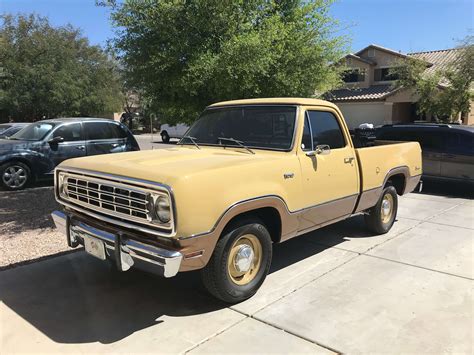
(244, 258)
(14, 176)
(386, 209)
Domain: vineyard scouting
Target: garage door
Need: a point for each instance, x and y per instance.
(358, 113)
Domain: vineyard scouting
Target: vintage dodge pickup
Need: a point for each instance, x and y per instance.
(247, 174)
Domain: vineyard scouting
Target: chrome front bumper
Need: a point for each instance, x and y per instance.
(129, 253)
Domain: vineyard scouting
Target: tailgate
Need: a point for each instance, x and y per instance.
(376, 162)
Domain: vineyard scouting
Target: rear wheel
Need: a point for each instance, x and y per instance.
(381, 217)
(14, 175)
(165, 137)
(240, 262)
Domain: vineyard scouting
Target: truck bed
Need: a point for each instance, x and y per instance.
(375, 162)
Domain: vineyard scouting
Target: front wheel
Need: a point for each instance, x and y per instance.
(14, 175)
(240, 262)
(381, 217)
(165, 137)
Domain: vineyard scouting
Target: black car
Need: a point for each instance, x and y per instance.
(9, 129)
(34, 152)
(448, 150)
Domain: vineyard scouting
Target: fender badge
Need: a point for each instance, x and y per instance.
(288, 175)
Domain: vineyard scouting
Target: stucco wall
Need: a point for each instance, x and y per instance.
(357, 64)
(470, 117)
(383, 60)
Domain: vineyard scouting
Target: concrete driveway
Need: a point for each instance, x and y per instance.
(338, 289)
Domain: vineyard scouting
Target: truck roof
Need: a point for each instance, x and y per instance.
(276, 101)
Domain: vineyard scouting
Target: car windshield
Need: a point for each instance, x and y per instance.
(4, 127)
(10, 131)
(264, 127)
(34, 132)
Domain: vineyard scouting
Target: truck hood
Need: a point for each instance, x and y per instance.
(169, 164)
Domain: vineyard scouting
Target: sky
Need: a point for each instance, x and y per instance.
(401, 25)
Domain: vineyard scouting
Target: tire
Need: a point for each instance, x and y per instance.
(15, 175)
(221, 276)
(381, 217)
(165, 137)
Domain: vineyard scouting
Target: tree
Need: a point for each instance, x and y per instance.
(50, 72)
(185, 55)
(447, 92)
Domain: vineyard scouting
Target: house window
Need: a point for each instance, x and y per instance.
(384, 74)
(354, 75)
(371, 53)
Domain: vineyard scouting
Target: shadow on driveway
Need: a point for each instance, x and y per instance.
(78, 299)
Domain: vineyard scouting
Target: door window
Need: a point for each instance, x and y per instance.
(69, 132)
(458, 143)
(429, 140)
(324, 129)
(103, 130)
(117, 131)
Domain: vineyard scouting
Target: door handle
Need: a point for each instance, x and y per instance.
(81, 147)
(348, 160)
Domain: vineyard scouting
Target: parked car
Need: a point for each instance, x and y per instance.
(248, 173)
(448, 150)
(172, 131)
(9, 129)
(36, 150)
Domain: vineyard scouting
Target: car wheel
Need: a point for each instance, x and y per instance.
(381, 217)
(239, 263)
(165, 137)
(14, 175)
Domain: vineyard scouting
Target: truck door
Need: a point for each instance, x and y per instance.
(329, 169)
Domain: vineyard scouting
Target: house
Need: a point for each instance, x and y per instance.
(369, 94)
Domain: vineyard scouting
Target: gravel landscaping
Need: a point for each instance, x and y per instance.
(26, 229)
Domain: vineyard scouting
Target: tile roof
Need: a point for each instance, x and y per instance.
(437, 60)
(374, 92)
(440, 60)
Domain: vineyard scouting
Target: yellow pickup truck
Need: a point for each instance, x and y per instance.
(247, 174)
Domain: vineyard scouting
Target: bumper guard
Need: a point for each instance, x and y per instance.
(129, 253)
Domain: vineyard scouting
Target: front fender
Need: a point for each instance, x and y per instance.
(37, 161)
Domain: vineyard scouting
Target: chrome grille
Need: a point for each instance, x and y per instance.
(115, 199)
(131, 203)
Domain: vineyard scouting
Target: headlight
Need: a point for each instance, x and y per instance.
(162, 209)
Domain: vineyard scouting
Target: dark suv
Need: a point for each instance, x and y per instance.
(448, 150)
(36, 150)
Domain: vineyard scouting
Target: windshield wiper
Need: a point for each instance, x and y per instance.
(236, 141)
(192, 139)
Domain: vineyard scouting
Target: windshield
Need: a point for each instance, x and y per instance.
(4, 127)
(34, 132)
(10, 131)
(265, 127)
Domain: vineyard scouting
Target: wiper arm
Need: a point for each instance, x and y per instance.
(236, 141)
(192, 139)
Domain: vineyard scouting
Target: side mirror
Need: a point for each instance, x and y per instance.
(56, 140)
(322, 149)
